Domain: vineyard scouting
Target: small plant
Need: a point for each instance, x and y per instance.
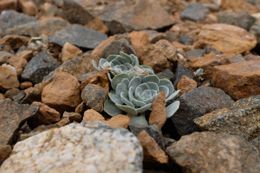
(134, 88)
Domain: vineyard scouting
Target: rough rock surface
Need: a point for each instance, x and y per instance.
(226, 38)
(79, 36)
(195, 12)
(242, 79)
(12, 115)
(92, 147)
(5, 150)
(63, 90)
(242, 119)
(195, 104)
(215, 153)
(39, 66)
(8, 77)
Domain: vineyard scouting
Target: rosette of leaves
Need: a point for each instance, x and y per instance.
(123, 63)
(134, 95)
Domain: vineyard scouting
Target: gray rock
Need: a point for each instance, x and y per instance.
(256, 142)
(11, 19)
(255, 29)
(180, 71)
(241, 19)
(12, 115)
(195, 104)
(195, 12)
(215, 153)
(39, 66)
(167, 73)
(78, 35)
(125, 16)
(195, 53)
(92, 147)
(94, 96)
(184, 39)
(243, 119)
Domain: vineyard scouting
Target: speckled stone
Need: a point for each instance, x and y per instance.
(243, 119)
(81, 148)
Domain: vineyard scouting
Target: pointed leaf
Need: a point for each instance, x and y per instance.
(172, 108)
(173, 96)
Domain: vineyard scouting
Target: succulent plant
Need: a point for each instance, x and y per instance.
(134, 94)
(123, 63)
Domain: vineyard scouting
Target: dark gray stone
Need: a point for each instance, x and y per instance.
(180, 71)
(242, 119)
(255, 29)
(256, 142)
(241, 19)
(195, 53)
(215, 153)
(195, 12)
(94, 96)
(39, 66)
(195, 104)
(78, 35)
(10, 19)
(184, 39)
(167, 73)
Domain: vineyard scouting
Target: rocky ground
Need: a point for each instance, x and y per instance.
(52, 98)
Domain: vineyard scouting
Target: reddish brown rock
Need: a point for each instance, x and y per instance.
(158, 115)
(8, 4)
(47, 115)
(8, 77)
(92, 115)
(99, 50)
(186, 84)
(28, 7)
(69, 51)
(139, 40)
(26, 84)
(18, 62)
(63, 90)
(152, 151)
(118, 121)
(14, 41)
(72, 116)
(160, 55)
(239, 80)
(97, 25)
(226, 38)
(5, 151)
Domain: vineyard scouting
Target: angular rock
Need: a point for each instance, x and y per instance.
(240, 19)
(181, 70)
(226, 38)
(92, 147)
(5, 151)
(195, 12)
(152, 150)
(14, 42)
(11, 19)
(242, 119)
(78, 35)
(69, 51)
(18, 62)
(8, 77)
(139, 40)
(72, 116)
(92, 115)
(215, 153)
(242, 79)
(62, 91)
(196, 103)
(160, 55)
(137, 15)
(12, 115)
(8, 4)
(118, 121)
(39, 66)
(186, 84)
(94, 96)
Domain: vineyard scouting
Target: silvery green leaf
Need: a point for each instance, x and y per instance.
(117, 79)
(173, 95)
(125, 57)
(153, 86)
(165, 90)
(151, 78)
(138, 121)
(144, 108)
(125, 100)
(172, 108)
(149, 95)
(135, 60)
(122, 87)
(94, 64)
(111, 57)
(128, 109)
(111, 109)
(168, 83)
(135, 81)
(147, 69)
(114, 98)
(136, 102)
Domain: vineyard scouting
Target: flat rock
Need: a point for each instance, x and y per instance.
(39, 66)
(242, 79)
(215, 153)
(79, 36)
(226, 38)
(62, 91)
(242, 119)
(94, 96)
(196, 103)
(8, 77)
(136, 15)
(12, 115)
(93, 147)
(195, 12)
(160, 55)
